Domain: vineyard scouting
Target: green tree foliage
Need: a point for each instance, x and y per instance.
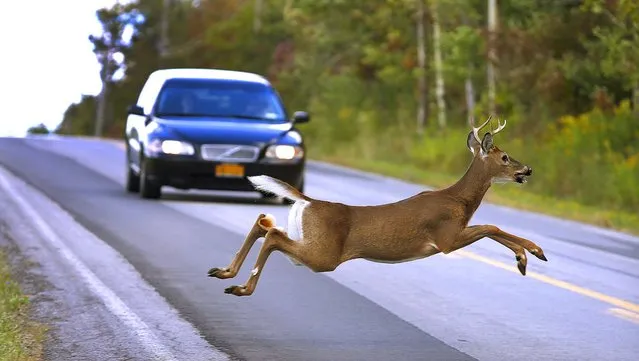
(566, 75)
(38, 129)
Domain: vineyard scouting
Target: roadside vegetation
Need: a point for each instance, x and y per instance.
(391, 85)
(20, 338)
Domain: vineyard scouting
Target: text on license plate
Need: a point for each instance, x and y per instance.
(229, 170)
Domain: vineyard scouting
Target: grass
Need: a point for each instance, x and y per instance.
(512, 195)
(20, 338)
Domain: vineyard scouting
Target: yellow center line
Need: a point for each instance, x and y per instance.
(617, 302)
(625, 314)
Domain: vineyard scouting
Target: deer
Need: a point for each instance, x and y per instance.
(322, 234)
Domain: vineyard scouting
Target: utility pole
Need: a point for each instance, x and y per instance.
(492, 54)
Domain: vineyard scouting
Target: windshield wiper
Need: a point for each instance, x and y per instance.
(239, 116)
(182, 115)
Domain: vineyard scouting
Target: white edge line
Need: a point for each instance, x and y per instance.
(113, 303)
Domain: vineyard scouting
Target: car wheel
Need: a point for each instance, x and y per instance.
(132, 180)
(148, 188)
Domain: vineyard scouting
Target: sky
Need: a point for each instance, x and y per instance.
(46, 60)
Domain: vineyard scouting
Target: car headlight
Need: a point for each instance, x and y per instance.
(284, 152)
(174, 147)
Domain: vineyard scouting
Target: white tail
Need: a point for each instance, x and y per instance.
(272, 185)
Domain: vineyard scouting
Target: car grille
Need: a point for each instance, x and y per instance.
(230, 153)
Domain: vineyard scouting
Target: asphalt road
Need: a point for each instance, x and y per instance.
(583, 304)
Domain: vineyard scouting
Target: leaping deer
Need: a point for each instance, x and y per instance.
(322, 235)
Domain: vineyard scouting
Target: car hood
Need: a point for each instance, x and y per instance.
(230, 131)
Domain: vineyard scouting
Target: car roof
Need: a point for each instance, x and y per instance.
(201, 73)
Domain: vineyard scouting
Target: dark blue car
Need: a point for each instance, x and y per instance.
(210, 129)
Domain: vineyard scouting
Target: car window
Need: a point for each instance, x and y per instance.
(219, 98)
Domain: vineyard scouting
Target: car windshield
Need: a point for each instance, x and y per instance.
(219, 98)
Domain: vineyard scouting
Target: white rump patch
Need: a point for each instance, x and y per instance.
(295, 230)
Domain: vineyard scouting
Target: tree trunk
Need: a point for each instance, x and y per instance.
(492, 55)
(470, 95)
(469, 87)
(288, 5)
(257, 17)
(439, 76)
(422, 98)
(102, 97)
(163, 46)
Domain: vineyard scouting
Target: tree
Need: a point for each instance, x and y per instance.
(618, 43)
(107, 47)
(38, 129)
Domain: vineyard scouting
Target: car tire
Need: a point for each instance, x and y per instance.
(132, 180)
(148, 188)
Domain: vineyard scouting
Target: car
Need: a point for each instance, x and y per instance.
(210, 129)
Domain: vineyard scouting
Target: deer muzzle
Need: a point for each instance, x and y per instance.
(520, 177)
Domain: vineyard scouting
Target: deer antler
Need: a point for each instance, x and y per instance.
(493, 132)
(476, 129)
(500, 127)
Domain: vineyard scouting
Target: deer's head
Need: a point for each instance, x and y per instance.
(499, 165)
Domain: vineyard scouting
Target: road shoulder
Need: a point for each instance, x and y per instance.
(21, 328)
(111, 316)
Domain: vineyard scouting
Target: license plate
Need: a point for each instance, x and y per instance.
(229, 170)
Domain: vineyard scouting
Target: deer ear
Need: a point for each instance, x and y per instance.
(487, 143)
(472, 143)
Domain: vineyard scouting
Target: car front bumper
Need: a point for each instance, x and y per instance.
(198, 174)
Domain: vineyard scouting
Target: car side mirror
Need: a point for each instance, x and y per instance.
(301, 117)
(136, 110)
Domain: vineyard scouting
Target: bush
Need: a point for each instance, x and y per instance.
(592, 158)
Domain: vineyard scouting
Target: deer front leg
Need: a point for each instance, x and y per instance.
(303, 252)
(520, 255)
(259, 229)
(530, 246)
(473, 233)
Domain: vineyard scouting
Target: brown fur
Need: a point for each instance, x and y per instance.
(416, 227)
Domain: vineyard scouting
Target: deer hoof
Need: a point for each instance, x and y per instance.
(236, 290)
(522, 261)
(522, 268)
(539, 254)
(219, 272)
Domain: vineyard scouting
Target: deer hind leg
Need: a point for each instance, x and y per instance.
(277, 240)
(262, 224)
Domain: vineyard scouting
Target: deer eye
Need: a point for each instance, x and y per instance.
(504, 158)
